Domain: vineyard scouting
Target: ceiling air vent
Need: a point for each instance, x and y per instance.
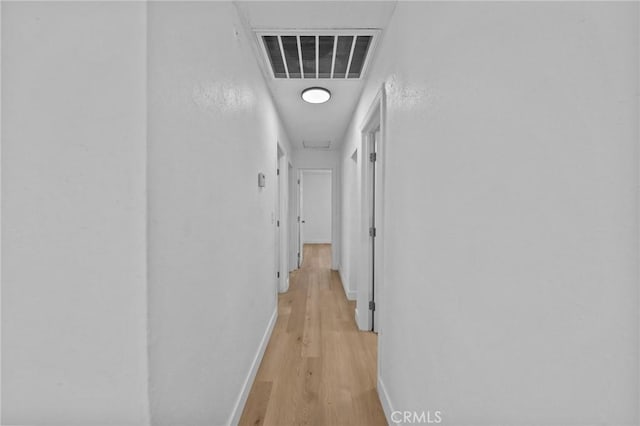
(329, 54)
(321, 145)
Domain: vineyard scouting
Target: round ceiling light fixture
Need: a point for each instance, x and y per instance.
(316, 95)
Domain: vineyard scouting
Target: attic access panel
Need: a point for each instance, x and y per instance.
(321, 145)
(317, 54)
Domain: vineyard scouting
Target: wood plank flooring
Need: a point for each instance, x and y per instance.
(318, 368)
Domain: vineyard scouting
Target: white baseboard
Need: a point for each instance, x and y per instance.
(363, 324)
(387, 407)
(234, 418)
(351, 295)
(285, 288)
(358, 321)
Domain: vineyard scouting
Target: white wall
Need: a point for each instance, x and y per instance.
(212, 289)
(511, 219)
(74, 346)
(316, 206)
(310, 159)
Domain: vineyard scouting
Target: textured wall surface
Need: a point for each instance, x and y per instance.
(212, 266)
(510, 290)
(74, 347)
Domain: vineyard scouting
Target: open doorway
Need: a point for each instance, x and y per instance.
(315, 209)
(279, 237)
(281, 213)
(292, 227)
(370, 289)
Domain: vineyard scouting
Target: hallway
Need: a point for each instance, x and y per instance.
(460, 177)
(318, 369)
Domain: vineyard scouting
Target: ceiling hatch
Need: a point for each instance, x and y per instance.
(329, 54)
(320, 145)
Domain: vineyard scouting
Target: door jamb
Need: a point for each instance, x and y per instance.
(374, 118)
(300, 200)
(281, 217)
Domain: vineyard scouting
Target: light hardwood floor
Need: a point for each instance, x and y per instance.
(318, 368)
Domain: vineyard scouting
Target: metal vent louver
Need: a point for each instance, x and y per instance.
(327, 54)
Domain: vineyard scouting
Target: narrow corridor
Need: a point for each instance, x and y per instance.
(461, 177)
(318, 369)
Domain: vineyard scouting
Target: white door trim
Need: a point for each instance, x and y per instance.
(374, 119)
(300, 200)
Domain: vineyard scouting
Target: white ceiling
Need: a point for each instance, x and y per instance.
(314, 122)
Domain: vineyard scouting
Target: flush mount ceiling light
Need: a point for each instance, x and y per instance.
(316, 95)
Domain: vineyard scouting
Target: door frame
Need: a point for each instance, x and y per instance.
(373, 120)
(300, 221)
(281, 219)
(291, 218)
(300, 211)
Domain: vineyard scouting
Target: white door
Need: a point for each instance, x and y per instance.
(277, 223)
(300, 220)
(316, 206)
(375, 205)
(292, 222)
